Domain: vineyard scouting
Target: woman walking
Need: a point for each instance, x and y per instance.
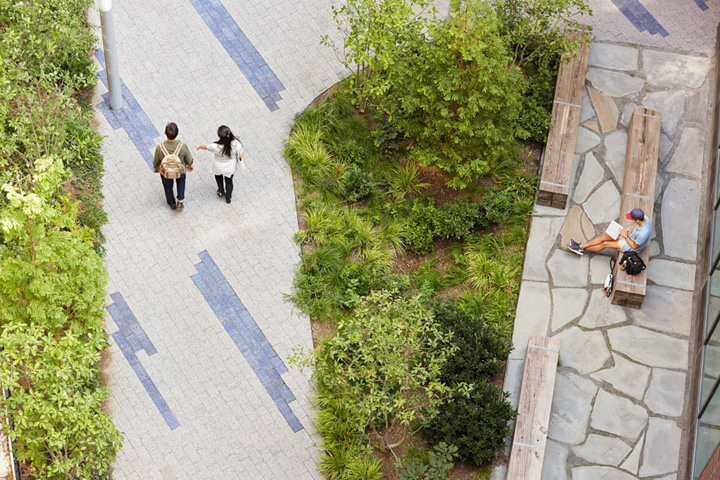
(228, 153)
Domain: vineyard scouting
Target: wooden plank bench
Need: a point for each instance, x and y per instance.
(638, 191)
(560, 149)
(534, 404)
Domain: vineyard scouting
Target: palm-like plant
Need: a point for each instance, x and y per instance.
(405, 180)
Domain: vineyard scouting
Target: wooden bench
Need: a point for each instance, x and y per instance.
(638, 191)
(560, 149)
(534, 404)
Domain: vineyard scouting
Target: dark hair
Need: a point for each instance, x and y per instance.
(226, 138)
(171, 130)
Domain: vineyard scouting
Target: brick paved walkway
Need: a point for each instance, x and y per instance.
(200, 330)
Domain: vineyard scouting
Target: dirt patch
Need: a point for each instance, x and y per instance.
(389, 461)
(322, 331)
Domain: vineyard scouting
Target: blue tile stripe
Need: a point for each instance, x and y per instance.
(640, 17)
(131, 117)
(131, 338)
(701, 4)
(245, 333)
(242, 52)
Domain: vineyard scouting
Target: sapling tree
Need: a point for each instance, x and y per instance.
(372, 31)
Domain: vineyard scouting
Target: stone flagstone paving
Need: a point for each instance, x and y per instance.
(618, 405)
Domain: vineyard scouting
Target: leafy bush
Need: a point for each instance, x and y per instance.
(349, 153)
(537, 30)
(436, 465)
(480, 352)
(495, 205)
(52, 296)
(384, 364)
(420, 229)
(49, 40)
(457, 219)
(477, 424)
(357, 184)
(535, 118)
(56, 403)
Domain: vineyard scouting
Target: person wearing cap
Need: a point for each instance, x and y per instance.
(632, 238)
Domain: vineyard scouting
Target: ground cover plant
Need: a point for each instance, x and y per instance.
(415, 180)
(52, 282)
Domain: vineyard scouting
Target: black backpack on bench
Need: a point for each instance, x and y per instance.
(632, 263)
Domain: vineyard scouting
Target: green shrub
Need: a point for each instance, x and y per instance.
(357, 184)
(384, 364)
(477, 424)
(457, 219)
(495, 206)
(52, 298)
(435, 465)
(481, 352)
(420, 228)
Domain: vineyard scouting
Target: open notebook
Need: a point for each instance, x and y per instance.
(614, 229)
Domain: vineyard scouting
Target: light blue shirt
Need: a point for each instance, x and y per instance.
(639, 234)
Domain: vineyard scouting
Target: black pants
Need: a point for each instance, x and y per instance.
(226, 189)
(168, 186)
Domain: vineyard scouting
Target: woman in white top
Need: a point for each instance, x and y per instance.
(228, 152)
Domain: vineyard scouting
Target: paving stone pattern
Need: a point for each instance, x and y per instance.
(684, 26)
(235, 410)
(130, 339)
(618, 407)
(246, 335)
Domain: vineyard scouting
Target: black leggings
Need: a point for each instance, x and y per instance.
(226, 189)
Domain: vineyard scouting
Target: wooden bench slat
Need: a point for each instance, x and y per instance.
(534, 405)
(638, 191)
(560, 149)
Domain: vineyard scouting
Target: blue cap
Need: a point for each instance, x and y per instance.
(635, 214)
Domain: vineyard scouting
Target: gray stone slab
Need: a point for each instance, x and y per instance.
(586, 140)
(618, 415)
(662, 447)
(571, 407)
(615, 84)
(665, 146)
(617, 57)
(499, 472)
(513, 379)
(592, 174)
(627, 113)
(599, 268)
(568, 269)
(649, 348)
(671, 104)
(586, 112)
(689, 157)
(653, 249)
(615, 152)
(554, 462)
(532, 316)
(671, 274)
(666, 393)
(543, 234)
(632, 462)
(604, 204)
(600, 312)
(568, 304)
(543, 211)
(586, 352)
(664, 309)
(698, 107)
(600, 473)
(665, 69)
(602, 450)
(680, 210)
(625, 376)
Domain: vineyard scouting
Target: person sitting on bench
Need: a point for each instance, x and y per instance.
(633, 237)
